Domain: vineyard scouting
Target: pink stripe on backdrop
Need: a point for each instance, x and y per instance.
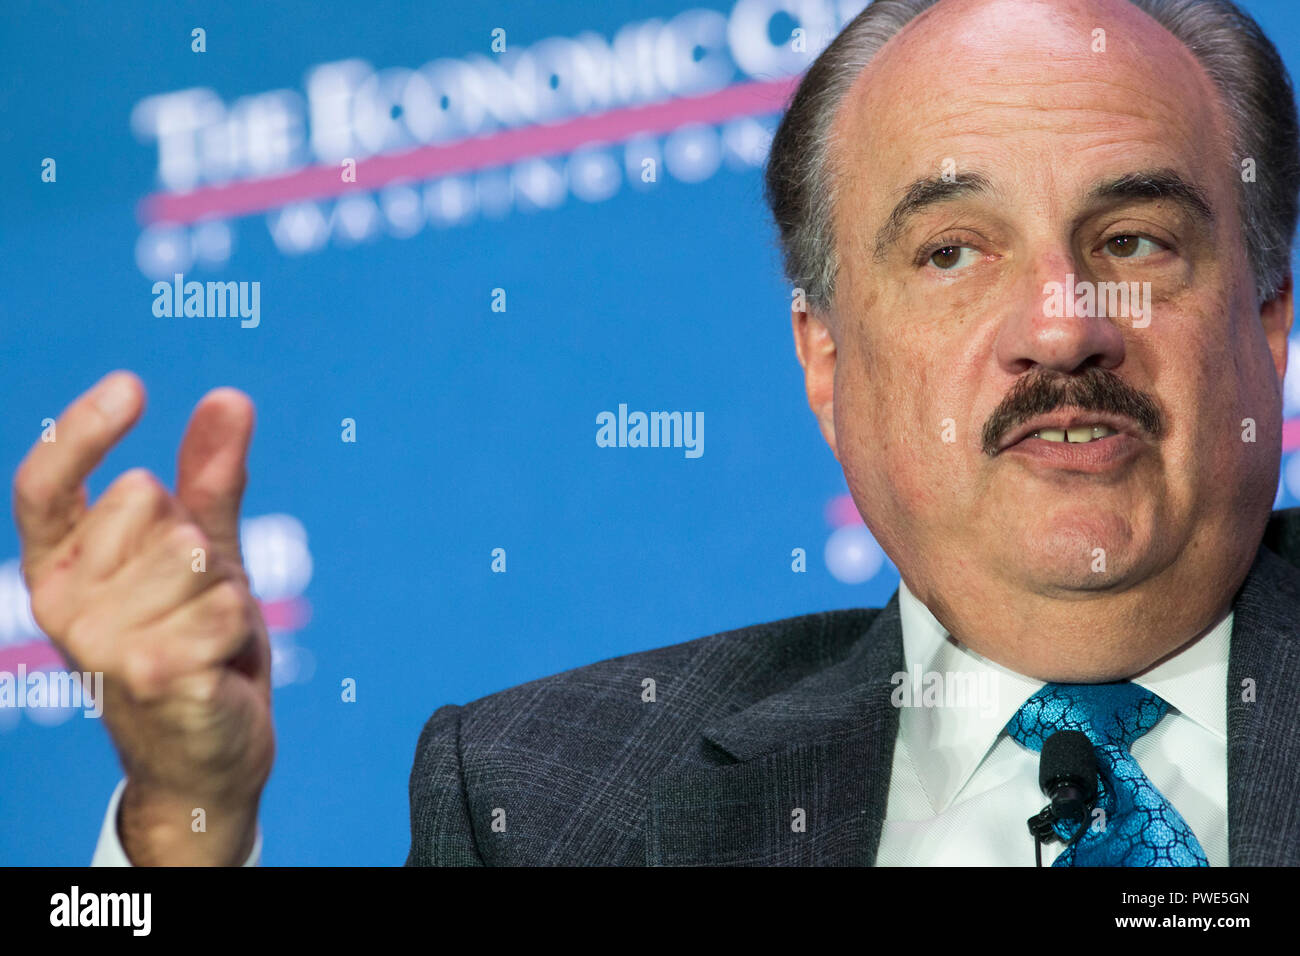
(842, 512)
(37, 655)
(1291, 435)
(497, 149)
(290, 614)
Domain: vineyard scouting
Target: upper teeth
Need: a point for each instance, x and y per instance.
(1082, 433)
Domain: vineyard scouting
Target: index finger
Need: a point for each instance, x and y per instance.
(48, 494)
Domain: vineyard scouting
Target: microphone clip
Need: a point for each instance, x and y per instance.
(1068, 777)
(1040, 825)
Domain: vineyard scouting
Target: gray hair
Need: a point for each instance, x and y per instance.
(1242, 62)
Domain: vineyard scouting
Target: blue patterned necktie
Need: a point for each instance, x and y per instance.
(1141, 827)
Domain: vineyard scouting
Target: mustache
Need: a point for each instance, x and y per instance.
(1095, 390)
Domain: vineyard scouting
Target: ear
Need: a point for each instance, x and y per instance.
(1276, 316)
(815, 346)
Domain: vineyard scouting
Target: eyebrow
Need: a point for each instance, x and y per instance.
(1151, 184)
(1156, 184)
(922, 194)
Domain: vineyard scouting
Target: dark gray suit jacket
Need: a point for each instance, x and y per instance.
(576, 769)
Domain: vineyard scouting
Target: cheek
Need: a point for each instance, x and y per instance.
(888, 423)
(1215, 387)
(871, 406)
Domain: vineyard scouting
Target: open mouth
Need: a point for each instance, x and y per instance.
(1075, 436)
(1082, 447)
(1069, 427)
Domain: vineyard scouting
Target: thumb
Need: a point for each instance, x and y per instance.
(211, 472)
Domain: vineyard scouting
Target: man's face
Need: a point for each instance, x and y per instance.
(1030, 155)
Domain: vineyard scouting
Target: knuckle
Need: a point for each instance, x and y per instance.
(33, 490)
(207, 685)
(46, 607)
(185, 537)
(202, 688)
(139, 486)
(80, 641)
(227, 607)
(31, 577)
(136, 480)
(142, 673)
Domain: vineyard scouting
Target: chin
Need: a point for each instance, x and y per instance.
(1078, 550)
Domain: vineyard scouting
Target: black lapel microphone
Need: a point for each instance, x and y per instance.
(1067, 775)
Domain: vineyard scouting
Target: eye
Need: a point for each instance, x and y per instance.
(951, 257)
(1132, 247)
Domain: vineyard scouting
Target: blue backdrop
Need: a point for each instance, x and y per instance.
(599, 176)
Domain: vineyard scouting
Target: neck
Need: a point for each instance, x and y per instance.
(1087, 637)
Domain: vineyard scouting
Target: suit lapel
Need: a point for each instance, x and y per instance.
(1263, 741)
(805, 773)
(826, 746)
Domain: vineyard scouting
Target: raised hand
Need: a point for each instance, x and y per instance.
(148, 587)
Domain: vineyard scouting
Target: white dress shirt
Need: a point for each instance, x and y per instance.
(961, 789)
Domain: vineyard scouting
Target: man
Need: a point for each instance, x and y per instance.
(1044, 255)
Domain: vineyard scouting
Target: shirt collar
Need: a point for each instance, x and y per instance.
(977, 697)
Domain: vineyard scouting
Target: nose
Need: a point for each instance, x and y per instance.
(1045, 328)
